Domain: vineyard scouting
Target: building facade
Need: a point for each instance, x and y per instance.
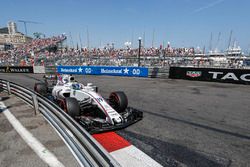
(10, 37)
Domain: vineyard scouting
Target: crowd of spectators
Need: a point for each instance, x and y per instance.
(39, 52)
(102, 56)
(24, 53)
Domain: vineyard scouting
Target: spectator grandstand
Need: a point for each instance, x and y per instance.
(45, 52)
(25, 54)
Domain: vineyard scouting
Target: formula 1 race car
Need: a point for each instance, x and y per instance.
(83, 103)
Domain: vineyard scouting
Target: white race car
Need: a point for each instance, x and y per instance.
(90, 109)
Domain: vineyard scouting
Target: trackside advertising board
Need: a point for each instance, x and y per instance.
(104, 70)
(16, 69)
(237, 76)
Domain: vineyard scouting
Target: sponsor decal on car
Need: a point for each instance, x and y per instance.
(194, 74)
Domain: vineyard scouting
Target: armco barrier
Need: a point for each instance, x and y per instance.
(237, 76)
(16, 69)
(104, 70)
(85, 148)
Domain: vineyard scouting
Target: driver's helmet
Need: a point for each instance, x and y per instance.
(65, 79)
(76, 86)
(72, 79)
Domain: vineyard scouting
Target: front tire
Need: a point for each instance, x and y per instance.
(119, 101)
(72, 107)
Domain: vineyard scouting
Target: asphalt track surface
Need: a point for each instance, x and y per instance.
(186, 123)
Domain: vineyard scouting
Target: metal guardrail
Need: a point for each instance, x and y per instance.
(84, 147)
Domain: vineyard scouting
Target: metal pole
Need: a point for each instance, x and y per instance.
(35, 103)
(8, 88)
(25, 27)
(139, 54)
(164, 57)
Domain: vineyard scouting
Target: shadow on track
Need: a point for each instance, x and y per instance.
(1, 89)
(172, 155)
(4, 98)
(199, 125)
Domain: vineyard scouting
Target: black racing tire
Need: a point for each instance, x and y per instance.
(119, 101)
(72, 107)
(41, 88)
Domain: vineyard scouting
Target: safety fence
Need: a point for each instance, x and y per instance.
(84, 147)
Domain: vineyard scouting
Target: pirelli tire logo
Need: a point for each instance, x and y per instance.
(193, 74)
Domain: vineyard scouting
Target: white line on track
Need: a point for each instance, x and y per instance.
(34, 144)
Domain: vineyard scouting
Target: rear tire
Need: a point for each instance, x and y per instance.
(41, 88)
(119, 101)
(72, 107)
